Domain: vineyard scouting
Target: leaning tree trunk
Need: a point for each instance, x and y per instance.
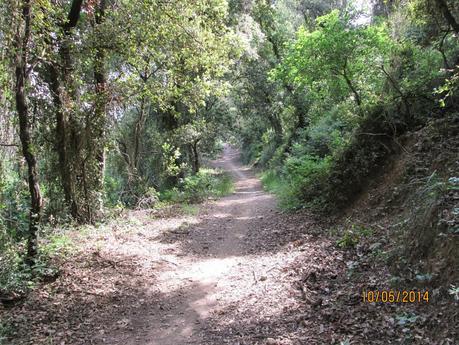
(21, 61)
(354, 91)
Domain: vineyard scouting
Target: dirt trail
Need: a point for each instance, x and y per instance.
(228, 276)
(204, 274)
(224, 272)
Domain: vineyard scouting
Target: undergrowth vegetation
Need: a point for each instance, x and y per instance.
(17, 277)
(197, 188)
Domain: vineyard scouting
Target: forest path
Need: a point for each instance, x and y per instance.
(229, 271)
(210, 269)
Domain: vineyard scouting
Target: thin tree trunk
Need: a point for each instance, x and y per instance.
(273, 120)
(442, 51)
(69, 121)
(138, 129)
(196, 164)
(99, 123)
(170, 123)
(352, 88)
(404, 97)
(23, 38)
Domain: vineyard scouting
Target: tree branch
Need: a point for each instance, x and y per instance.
(403, 96)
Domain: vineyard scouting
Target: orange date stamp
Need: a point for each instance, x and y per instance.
(395, 296)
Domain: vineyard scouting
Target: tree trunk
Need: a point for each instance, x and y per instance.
(403, 96)
(443, 6)
(138, 130)
(97, 126)
(67, 132)
(169, 124)
(80, 138)
(273, 120)
(442, 51)
(61, 133)
(22, 42)
(74, 161)
(196, 164)
(277, 127)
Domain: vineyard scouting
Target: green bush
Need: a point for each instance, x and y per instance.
(352, 236)
(12, 273)
(18, 277)
(299, 176)
(14, 206)
(271, 181)
(196, 188)
(113, 190)
(306, 175)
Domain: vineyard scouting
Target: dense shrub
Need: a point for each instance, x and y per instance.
(329, 181)
(13, 205)
(196, 188)
(298, 175)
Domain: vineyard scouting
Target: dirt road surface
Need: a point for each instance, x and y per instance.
(228, 271)
(223, 269)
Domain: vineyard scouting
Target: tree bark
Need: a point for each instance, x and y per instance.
(98, 125)
(442, 51)
(61, 133)
(196, 164)
(23, 35)
(69, 122)
(169, 123)
(138, 130)
(67, 131)
(273, 120)
(443, 6)
(80, 138)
